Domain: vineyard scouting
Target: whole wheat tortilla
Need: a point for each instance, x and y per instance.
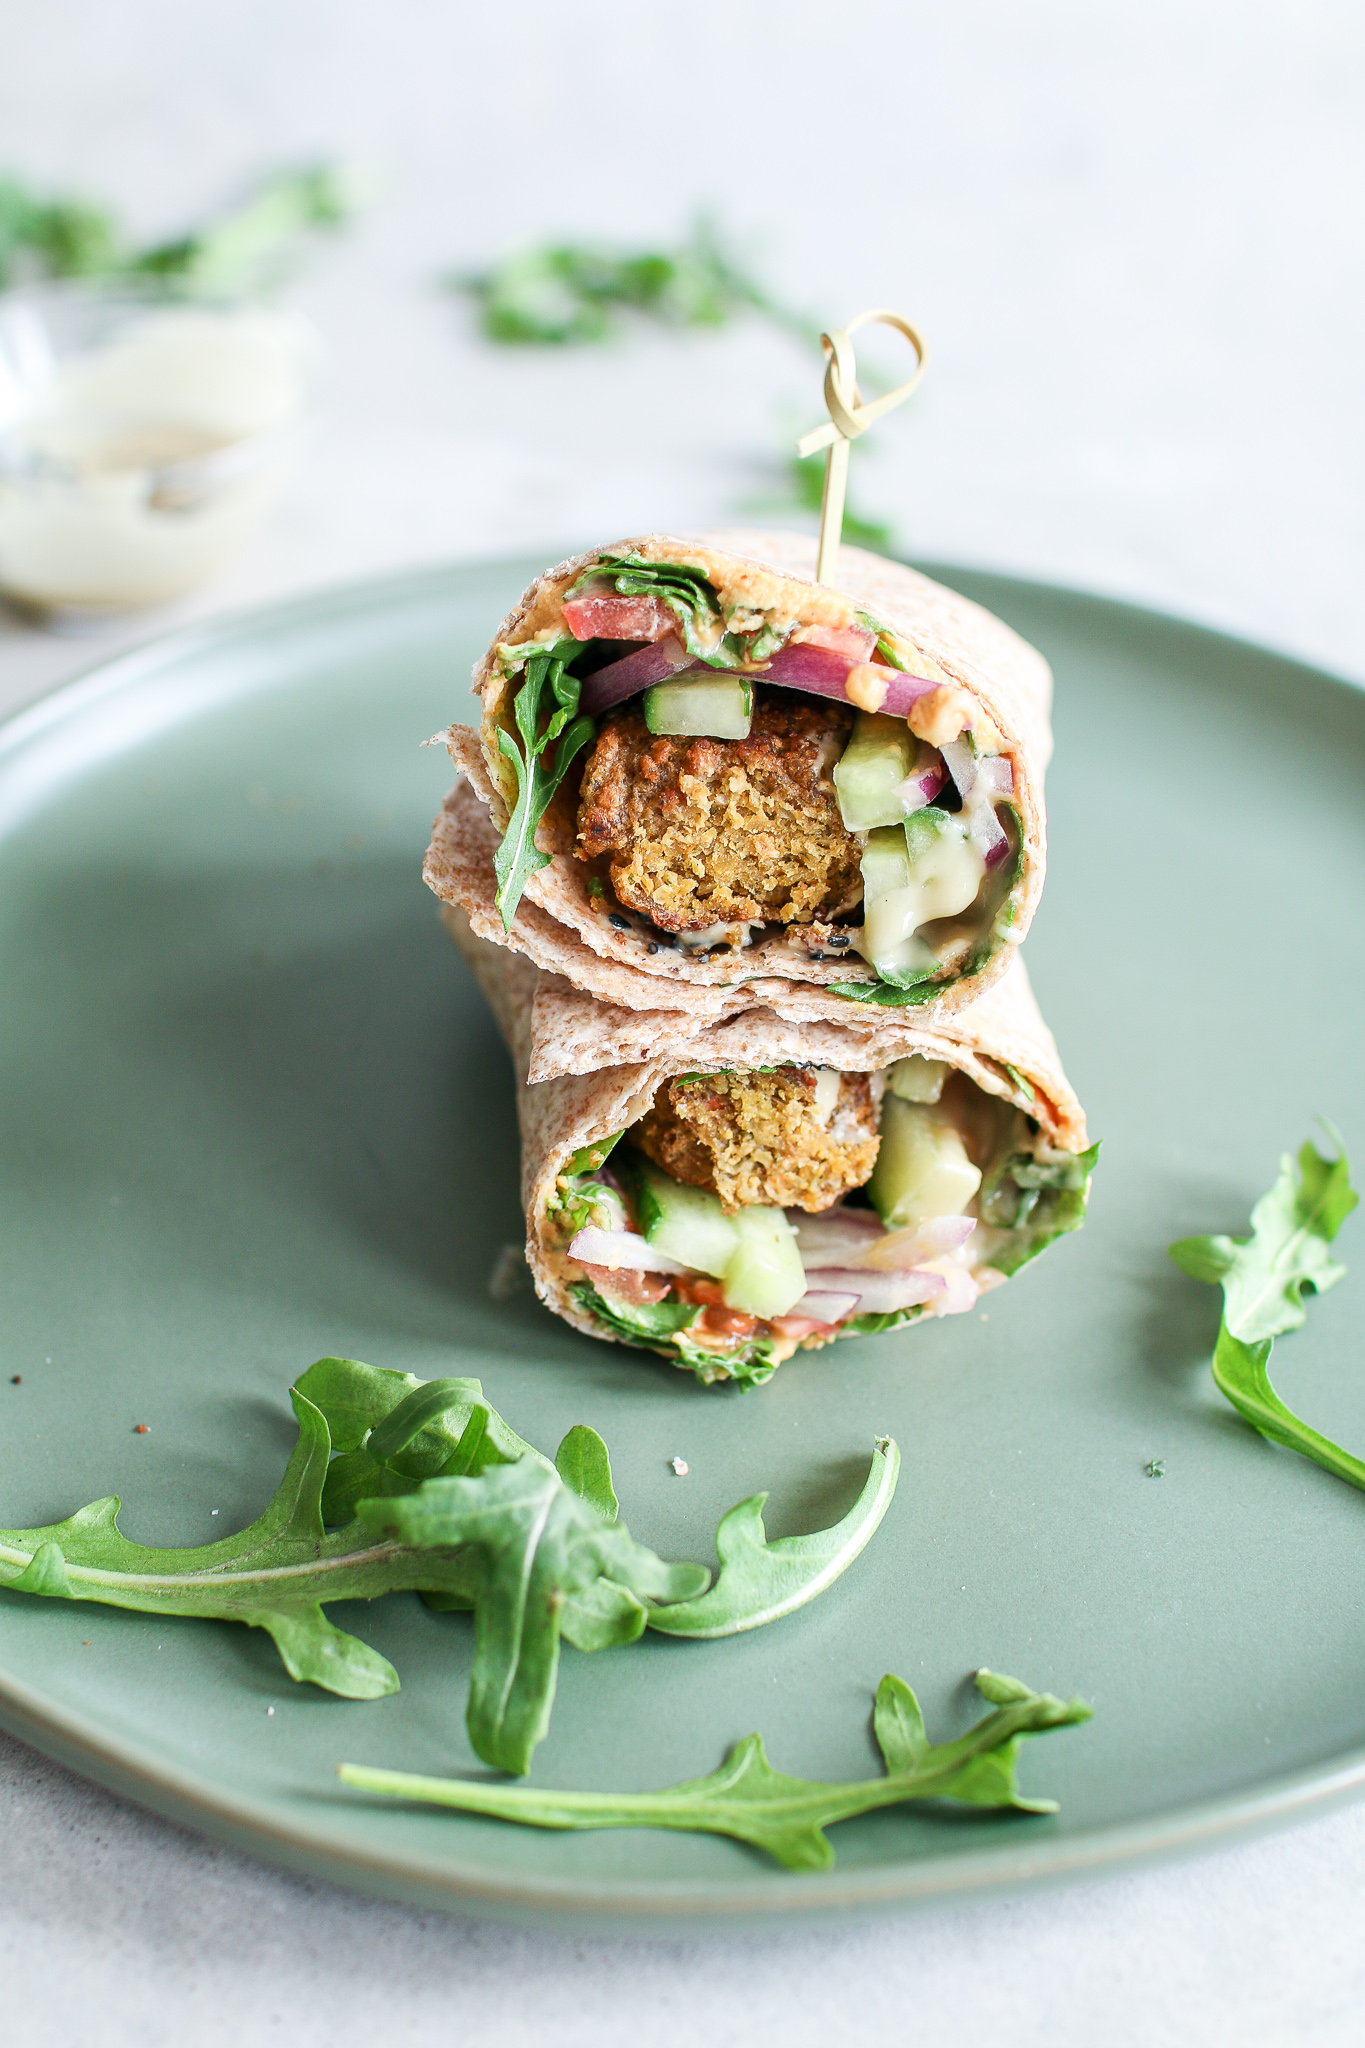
(552, 1029)
(948, 639)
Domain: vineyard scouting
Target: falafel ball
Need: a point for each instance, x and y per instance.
(707, 832)
(789, 1138)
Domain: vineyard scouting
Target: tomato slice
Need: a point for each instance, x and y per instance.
(618, 618)
(849, 640)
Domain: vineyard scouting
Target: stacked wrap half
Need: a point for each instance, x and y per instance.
(741, 863)
(713, 879)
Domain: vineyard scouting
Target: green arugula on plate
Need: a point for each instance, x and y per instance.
(749, 1801)
(403, 1485)
(1264, 1277)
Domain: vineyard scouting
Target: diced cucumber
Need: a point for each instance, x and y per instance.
(709, 705)
(918, 1079)
(922, 1169)
(890, 908)
(687, 1223)
(873, 765)
(929, 867)
(765, 1277)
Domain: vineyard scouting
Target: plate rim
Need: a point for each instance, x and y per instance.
(249, 1822)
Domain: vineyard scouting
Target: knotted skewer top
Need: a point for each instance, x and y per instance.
(849, 417)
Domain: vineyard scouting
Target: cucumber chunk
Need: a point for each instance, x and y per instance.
(765, 1277)
(917, 1078)
(708, 705)
(929, 867)
(687, 1223)
(872, 768)
(922, 1169)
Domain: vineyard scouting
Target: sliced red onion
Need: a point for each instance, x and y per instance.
(837, 1237)
(924, 781)
(960, 1290)
(878, 1293)
(987, 831)
(823, 672)
(633, 673)
(997, 774)
(622, 1248)
(816, 671)
(824, 1308)
(618, 618)
(902, 1251)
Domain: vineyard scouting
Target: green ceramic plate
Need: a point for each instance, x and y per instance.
(254, 1112)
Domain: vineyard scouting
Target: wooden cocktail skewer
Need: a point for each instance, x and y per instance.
(849, 417)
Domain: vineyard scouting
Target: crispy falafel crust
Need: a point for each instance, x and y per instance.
(563, 924)
(758, 1138)
(709, 832)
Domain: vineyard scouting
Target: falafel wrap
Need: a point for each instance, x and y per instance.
(714, 782)
(726, 1194)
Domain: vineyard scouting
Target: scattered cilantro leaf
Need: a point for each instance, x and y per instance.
(749, 1801)
(760, 1581)
(1264, 1278)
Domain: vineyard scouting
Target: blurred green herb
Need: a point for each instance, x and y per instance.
(560, 295)
(249, 247)
(804, 480)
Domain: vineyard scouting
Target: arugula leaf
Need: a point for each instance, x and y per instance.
(1264, 1278)
(480, 1522)
(648, 1323)
(399, 1431)
(582, 1463)
(518, 857)
(760, 1581)
(749, 1801)
(1027, 1203)
(663, 1325)
(891, 995)
(394, 1431)
(1241, 1374)
(275, 1575)
(566, 294)
(685, 590)
(527, 1541)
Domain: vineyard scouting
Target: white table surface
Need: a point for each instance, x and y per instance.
(1132, 235)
